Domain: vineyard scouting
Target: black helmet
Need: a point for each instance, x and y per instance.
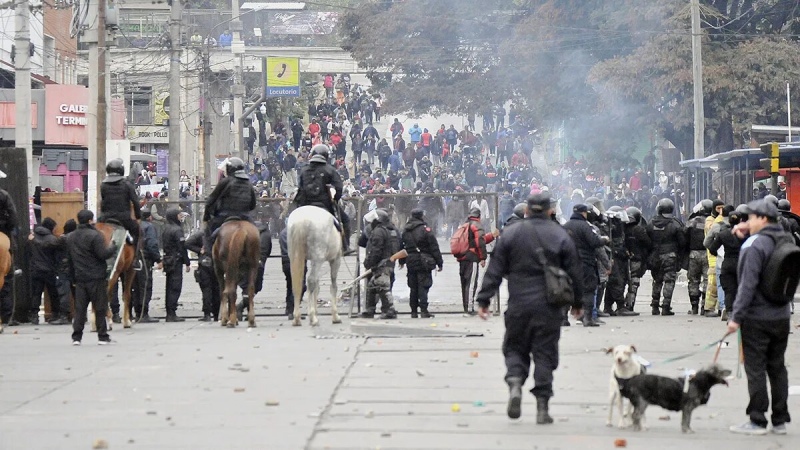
(475, 212)
(665, 206)
(520, 210)
(597, 203)
(320, 154)
(772, 199)
(233, 165)
(418, 213)
(707, 206)
(381, 215)
(635, 214)
(784, 205)
(115, 167)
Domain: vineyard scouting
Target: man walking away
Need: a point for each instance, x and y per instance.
(765, 322)
(88, 254)
(175, 256)
(533, 324)
(423, 256)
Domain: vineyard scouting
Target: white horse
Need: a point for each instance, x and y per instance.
(312, 237)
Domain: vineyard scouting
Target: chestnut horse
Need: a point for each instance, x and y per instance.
(124, 268)
(236, 251)
(5, 263)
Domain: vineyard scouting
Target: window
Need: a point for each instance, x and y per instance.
(138, 105)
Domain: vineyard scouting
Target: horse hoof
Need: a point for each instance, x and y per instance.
(296, 323)
(252, 324)
(231, 325)
(314, 323)
(223, 322)
(127, 325)
(337, 320)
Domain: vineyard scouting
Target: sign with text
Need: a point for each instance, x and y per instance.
(283, 77)
(67, 119)
(303, 22)
(143, 134)
(161, 163)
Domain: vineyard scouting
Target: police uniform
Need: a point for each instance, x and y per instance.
(286, 266)
(205, 277)
(638, 244)
(233, 197)
(698, 261)
(175, 257)
(265, 249)
(313, 183)
(423, 256)
(586, 242)
(118, 198)
(668, 237)
(384, 241)
(615, 289)
(533, 324)
(142, 291)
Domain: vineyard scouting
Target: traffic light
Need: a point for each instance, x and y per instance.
(772, 162)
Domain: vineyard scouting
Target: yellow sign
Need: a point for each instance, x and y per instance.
(283, 77)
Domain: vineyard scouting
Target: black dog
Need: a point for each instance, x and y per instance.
(668, 393)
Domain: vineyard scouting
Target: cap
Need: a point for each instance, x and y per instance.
(762, 208)
(539, 202)
(580, 208)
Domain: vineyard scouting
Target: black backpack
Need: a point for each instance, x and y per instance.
(781, 274)
(312, 183)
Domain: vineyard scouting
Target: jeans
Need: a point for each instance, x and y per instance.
(764, 345)
(94, 292)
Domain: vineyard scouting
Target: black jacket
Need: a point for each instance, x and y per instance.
(667, 235)
(44, 251)
(732, 244)
(117, 199)
(194, 243)
(232, 196)
(150, 242)
(173, 242)
(750, 301)
(88, 254)
(637, 242)
(266, 242)
(8, 213)
(284, 244)
(417, 239)
(384, 241)
(696, 231)
(585, 239)
(513, 258)
(312, 186)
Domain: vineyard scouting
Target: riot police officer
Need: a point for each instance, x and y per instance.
(620, 271)
(205, 277)
(697, 272)
(638, 244)
(383, 243)
(118, 196)
(519, 213)
(312, 189)
(668, 238)
(790, 221)
(233, 197)
(175, 256)
(423, 256)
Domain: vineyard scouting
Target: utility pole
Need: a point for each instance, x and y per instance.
(23, 137)
(238, 82)
(175, 101)
(697, 76)
(98, 110)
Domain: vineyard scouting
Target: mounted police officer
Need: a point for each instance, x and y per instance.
(118, 198)
(638, 245)
(233, 197)
(312, 189)
(698, 261)
(423, 256)
(668, 238)
(383, 243)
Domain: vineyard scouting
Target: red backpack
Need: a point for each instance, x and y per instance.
(459, 243)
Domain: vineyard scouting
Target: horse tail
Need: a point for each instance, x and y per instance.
(297, 236)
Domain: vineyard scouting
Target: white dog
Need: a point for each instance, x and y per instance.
(626, 366)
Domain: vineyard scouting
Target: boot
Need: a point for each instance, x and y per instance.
(60, 320)
(116, 318)
(588, 322)
(514, 409)
(710, 313)
(725, 315)
(389, 314)
(625, 312)
(542, 411)
(206, 318)
(240, 307)
(425, 314)
(33, 318)
(172, 317)
(147, 319)
(695, 301)
(368, 315)
(654, 306)
(414, 314)
(666, 310)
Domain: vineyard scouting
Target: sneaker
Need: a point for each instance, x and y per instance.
(76, 343)
(105, 342)
(779, 429)
(749, 428)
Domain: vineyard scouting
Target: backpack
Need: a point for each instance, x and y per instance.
(459, 243)
(780, 276)
(312, 184)
(451, 135)
(385, 152)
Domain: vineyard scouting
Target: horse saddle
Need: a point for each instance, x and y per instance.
(232, 219)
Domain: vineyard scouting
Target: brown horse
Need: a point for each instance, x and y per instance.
(125, 269)
(5, 263)
(236, 251)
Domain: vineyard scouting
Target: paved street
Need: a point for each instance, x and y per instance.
(362, 384)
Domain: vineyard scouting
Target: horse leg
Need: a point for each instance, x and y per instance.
(223, 301)
(313, 289)
(129, 278)
(334, 290)
(297, 258)
(230, 297)
(251, 283)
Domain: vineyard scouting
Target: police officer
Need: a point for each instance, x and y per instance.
(533, 325)
(45, 247)
(423, 256)
(286, 265)
(118, 196)
(265, 250)
(518, 214)
(233, 197)
(312, 189)
(383, 243)
(668, 237)
(205, 277)
(175, 256)
(587, 242)
(620, 270)
(697, 272)
(142, 291)
(790, 223)
(65, 285)
(8, 221)
(638, 244)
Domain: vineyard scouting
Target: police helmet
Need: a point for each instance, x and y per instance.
(381, 215)
(597, 203)
(772, 199)
(665, 206)
(706, 206)
(634, 214)
(520, 210)
(116, 167)
(418, 213)
(320, 154)
(475, 212)
(233, 165)
(784, 205)
(742, 209)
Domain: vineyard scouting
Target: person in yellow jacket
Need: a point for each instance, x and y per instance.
(712, 228)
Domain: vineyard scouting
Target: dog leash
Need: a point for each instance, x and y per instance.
(689, 355)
